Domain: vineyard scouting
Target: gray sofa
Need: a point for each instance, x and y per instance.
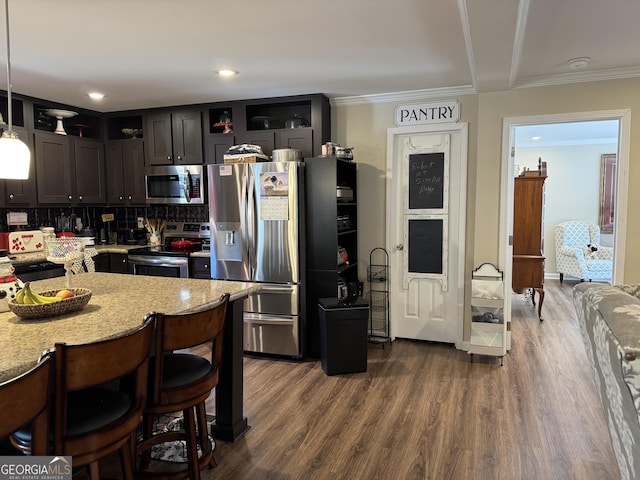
(609, 319)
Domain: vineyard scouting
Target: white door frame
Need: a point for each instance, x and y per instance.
(506, 183)
(392, 203)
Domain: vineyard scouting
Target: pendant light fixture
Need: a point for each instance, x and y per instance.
(15, 157)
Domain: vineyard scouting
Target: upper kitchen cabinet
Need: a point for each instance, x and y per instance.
(17, 112)
(125, 160)
(219, 132)
(302, 122)
(69, 171)
(21, 192)
(90, 185)
(67, 121)
(124, 126)
(125, 172)
(174, 138)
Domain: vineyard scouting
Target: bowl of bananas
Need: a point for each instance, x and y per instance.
(28, 304)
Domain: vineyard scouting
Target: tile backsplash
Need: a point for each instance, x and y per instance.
(124, 217)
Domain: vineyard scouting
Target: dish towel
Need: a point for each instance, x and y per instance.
(87, 260)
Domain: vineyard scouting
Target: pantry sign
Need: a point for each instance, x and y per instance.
(424, 113)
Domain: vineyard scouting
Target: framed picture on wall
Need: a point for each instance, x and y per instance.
(607, 192)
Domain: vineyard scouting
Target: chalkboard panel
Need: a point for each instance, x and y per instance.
(425, 246)
(426, 180)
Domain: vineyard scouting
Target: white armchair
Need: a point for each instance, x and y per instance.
(571, 239)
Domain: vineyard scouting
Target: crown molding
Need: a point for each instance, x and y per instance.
(578, 77)
(411, 95)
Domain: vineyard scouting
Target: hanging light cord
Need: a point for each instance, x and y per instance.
(6, 16)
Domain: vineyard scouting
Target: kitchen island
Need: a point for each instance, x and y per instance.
(118, 304)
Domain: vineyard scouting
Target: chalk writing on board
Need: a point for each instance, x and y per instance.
(426, 180)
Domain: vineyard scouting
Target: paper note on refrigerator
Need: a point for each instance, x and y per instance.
(274, 196)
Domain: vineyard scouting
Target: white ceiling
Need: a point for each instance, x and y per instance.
(591, 132)
(147, 53)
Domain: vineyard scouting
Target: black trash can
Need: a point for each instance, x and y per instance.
(343, 335)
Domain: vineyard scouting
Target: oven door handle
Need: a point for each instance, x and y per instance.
(162, 261)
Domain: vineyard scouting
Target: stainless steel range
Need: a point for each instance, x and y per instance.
(171, 258)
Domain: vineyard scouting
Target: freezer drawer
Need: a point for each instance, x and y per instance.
(272, 334)
(274, 299)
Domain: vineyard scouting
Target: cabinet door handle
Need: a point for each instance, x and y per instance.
(179, 157)
(11, 196)
(168, 157)
(121, 197)
(130, 197)
(70, 197)
(80, 198)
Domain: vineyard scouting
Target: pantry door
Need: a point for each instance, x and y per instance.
(426, 215)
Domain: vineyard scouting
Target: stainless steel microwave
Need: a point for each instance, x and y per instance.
(181, 184)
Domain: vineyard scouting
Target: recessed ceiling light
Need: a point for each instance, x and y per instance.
(536, 138)
(227, 72)
(579, 62)
(96, 95)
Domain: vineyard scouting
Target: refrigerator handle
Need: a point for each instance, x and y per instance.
(249, 223)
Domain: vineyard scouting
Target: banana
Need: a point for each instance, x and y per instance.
(27, 300)
(39, 299)
(43, 299)
(28, 297)
(20, 296)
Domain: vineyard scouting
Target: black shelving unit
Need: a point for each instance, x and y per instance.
(332, 222)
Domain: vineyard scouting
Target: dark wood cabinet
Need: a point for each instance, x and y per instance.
(265, 139)
(267, 122)
(21, 192)
(174, 138)
(216, 146)
(89, 167)
(326, 234)
(200, 267)
(69, 171)
(300, 138)
(528, 237)
(53, 168)
(112, 262)
(125, 172)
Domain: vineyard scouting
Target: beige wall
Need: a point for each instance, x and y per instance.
(364, 127)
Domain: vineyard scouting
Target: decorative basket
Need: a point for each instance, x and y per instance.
(45, 310)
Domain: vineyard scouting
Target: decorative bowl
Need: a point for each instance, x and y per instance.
(132, 132)
(45, 310)
(65, 249)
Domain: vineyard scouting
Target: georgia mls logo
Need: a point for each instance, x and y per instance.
(35, 468)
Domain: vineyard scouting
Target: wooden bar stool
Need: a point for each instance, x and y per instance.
(24, 403)
(181, 381)
(99, 392)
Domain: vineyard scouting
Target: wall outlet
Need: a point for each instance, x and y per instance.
(140, 222)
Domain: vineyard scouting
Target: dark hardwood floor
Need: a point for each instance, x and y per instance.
(423, 411)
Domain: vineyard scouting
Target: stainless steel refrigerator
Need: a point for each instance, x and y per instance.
(256, 215)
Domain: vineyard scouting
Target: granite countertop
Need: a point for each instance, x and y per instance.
(42, 255)
(119, 303)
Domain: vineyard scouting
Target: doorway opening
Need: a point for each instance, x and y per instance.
(593, 131)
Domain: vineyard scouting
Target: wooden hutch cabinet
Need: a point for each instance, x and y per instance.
(528, 239)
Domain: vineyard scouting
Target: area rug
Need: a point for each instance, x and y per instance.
(175, 452)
